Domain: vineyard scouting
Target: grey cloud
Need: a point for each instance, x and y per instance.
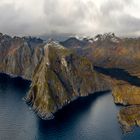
(62, 17)
(111, 7)
(111, 16)
(114, 18)
(69, 19)
(10, 20)
(129, 23)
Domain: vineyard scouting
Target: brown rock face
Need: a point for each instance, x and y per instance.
(112, 52)
(126, 94)
(60, 78)
(19, 56)
(129, 95)
(129, 117)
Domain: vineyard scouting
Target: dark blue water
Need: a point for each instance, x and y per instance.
(90, 118)
(119, 74)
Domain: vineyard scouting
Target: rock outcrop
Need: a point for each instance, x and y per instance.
(126, 91)
(129, 117)
(129, 96)
(19, 56)
(60, 78)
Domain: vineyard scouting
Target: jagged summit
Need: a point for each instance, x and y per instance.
(107, 37)
(74, 42)
(71, 42)
(53, 43)
(85, 41)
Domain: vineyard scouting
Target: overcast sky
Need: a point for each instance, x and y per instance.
(70, 17)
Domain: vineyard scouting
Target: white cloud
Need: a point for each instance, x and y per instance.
(61, 17)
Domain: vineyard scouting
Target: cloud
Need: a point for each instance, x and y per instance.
(114, 16)
(19, 18)
(67, 17)
(63, 17)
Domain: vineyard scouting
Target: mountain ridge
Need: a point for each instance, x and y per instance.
(51, 62)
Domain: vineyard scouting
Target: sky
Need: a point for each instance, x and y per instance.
(69, 17)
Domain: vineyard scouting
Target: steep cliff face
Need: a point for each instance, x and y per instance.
(19, 56)
(60, 78)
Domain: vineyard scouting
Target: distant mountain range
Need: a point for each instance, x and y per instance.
(64, 71)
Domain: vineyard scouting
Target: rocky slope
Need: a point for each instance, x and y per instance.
(19, 56)
(76, 43)
(129, 117)
(61, 75)
(110, 51)
(129, 96)
(60, 78)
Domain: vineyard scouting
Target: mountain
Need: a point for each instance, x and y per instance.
(62, 72)
(60, 78)
(76, 43)
(19, 56)
(110, 51)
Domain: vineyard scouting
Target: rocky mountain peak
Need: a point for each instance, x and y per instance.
(53, 44)
(106, 37)
(61, 77)
(75, 42)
